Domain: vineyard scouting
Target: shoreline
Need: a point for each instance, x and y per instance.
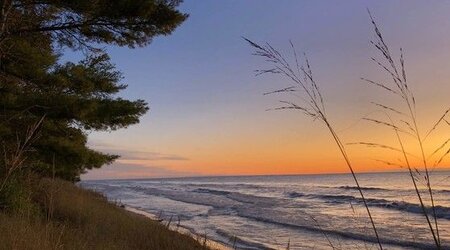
(274, 213)
(212, 244)
(77, 218)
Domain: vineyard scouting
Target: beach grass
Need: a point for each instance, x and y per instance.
(304, 95)
(65, 216)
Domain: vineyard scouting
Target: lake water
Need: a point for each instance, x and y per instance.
(304, 211)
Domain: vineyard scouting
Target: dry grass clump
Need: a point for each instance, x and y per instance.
(81, 219)
(17, 232)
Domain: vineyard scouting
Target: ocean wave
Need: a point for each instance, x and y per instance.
(308, 226)
(199, 198)
(241, 197)
(217, 199)
(295, 194)
(211, 191)
(285, 210)
(365, 188)
(239, 242)
(441, 211)
(321, 196)
(225, 185)
(443, 191)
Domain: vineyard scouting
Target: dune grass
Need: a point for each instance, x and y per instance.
(309, 101)
(72, 218)
(303, 95)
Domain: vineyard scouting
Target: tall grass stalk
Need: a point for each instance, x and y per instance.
(311, 102)
(15, 156)
(406, 123)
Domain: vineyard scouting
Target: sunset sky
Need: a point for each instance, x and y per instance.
(207, 110)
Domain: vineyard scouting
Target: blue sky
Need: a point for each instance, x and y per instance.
(206, 105)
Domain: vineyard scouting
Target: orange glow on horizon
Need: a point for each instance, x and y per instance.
(208, 108)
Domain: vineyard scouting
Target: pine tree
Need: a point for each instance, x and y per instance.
(68, 100)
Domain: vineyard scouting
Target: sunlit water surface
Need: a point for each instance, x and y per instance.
(304, 211)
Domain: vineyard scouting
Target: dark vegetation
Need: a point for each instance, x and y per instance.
(47, 107)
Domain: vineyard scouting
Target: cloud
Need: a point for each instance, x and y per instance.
(145, 156)
(135, 164)
(131, 155)
(129, 171)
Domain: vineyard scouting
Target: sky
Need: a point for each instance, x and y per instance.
(207, 109)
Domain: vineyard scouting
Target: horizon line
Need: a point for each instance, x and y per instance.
(261, 175)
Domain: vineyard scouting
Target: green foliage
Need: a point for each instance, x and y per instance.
(16, 197)
(72, 98)
(76, 23)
